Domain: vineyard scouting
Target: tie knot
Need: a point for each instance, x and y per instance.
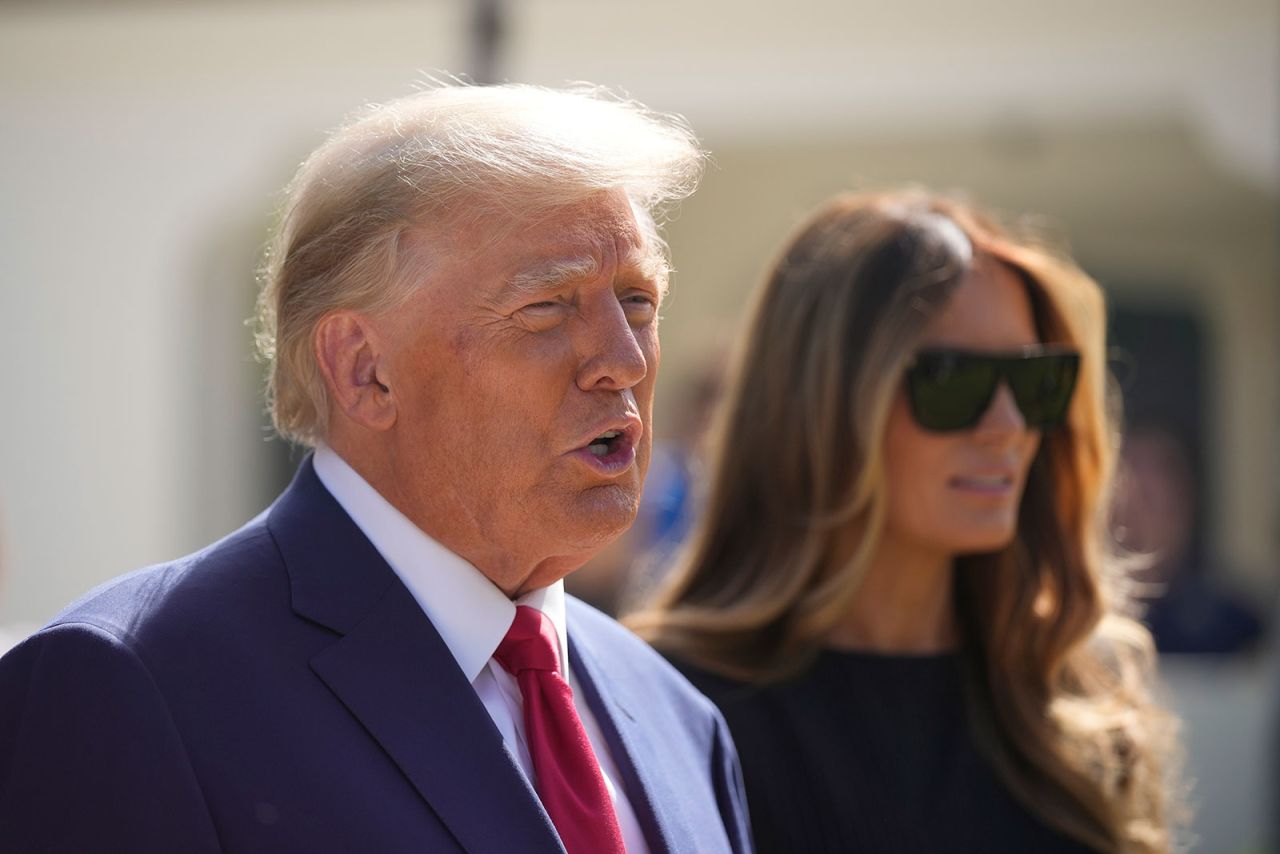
(530, 644)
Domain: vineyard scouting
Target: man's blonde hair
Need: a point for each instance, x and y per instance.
(445, 156)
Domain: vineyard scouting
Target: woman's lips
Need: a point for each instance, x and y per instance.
(998, 485)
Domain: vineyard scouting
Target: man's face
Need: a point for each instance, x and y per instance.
(522, 372)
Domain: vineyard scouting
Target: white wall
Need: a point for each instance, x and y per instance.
(131, 143)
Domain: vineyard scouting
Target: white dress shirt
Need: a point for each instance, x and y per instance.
(472, 616)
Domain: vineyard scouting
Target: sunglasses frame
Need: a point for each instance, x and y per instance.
(1003, 364)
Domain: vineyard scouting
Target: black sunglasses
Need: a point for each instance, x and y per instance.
(951, 389)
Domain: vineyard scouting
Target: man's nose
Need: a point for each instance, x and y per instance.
(611, 354)
(1003, 420)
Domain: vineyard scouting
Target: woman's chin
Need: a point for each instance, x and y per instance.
(978, 543)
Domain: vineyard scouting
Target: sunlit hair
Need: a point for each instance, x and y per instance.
(1057, 677)
(446, 157)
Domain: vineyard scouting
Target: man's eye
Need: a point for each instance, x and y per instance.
(541, 315)
(639, 302)
(542, 308)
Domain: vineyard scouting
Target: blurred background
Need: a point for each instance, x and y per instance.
(143, 146)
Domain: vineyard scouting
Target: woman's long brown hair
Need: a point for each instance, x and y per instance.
(1058, 677)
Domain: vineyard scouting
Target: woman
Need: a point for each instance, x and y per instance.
(901, 594)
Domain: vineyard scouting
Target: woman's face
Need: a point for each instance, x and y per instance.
(957, 493)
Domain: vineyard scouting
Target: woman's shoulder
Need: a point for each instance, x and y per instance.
(702, 678)
(726, 692)
(748, 704)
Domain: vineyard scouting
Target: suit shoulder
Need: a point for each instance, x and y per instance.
(90, 754)
(128, 606)
(604, 632)
(722, 690)
(629, 656)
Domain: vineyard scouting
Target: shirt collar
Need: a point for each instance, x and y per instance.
(468, 610)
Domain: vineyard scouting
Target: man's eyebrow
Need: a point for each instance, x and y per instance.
(654, 266)
(549, 275)
(542, 278)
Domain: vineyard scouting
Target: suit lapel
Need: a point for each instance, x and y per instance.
(651, 794)
(402, 683)
(396, 676)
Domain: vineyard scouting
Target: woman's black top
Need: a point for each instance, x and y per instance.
(871, 753)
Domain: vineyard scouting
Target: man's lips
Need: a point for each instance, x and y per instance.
(610, 448)
(616, 430)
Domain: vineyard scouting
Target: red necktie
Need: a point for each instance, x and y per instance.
(570, 784)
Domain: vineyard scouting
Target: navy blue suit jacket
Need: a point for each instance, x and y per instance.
(282, 691)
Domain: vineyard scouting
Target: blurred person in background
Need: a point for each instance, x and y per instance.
(461, 318)
(629, 570)
(901, 592)
(1187, 609)
(667, 510)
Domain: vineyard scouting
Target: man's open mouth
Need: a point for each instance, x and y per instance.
(613, 450)
(606, 443)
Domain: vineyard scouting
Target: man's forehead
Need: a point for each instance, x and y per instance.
(527, 253)
(590, 229)
(575, 248)
(605, 215)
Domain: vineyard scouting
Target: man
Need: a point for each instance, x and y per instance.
(460, 311)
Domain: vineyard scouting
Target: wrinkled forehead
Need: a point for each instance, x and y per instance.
(604, 220)
(602, 230)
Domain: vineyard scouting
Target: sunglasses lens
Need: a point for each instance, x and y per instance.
(1042, 386)
(949, 391)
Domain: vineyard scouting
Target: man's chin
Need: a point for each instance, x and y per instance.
(600, 514)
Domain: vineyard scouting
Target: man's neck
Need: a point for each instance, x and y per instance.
(514, 574)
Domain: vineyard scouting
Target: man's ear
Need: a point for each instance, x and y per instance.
(347, 352)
